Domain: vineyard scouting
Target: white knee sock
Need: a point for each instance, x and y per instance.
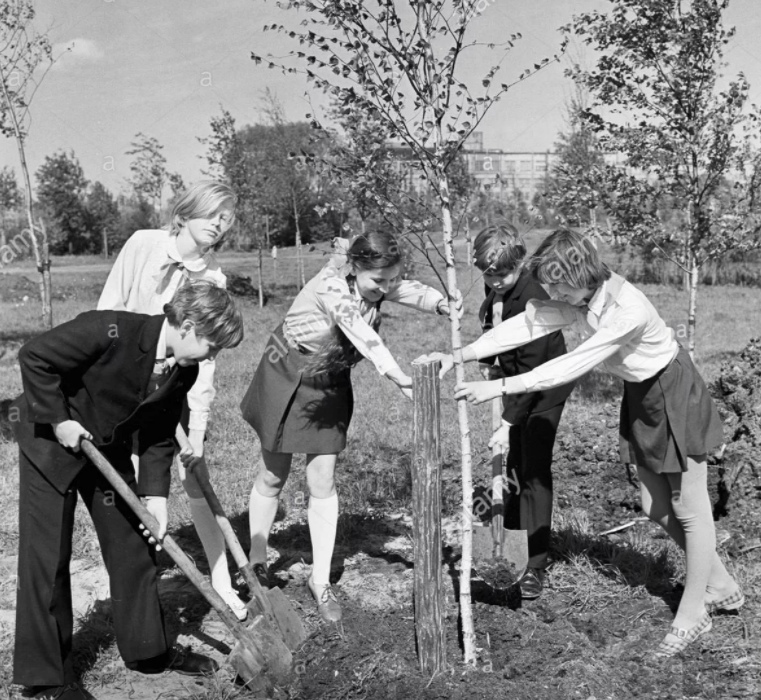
(322, 515)
(261, 515)
(213, 542)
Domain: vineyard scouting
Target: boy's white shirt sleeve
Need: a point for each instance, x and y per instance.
(612, 335)
(339, 302)
(415, 295)
(539, 319)
(201, 396)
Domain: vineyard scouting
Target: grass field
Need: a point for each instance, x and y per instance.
(373, 475)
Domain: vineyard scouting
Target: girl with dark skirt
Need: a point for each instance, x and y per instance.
(668, 421)
(300, 400)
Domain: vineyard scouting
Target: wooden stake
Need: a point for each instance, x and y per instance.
(426, 511)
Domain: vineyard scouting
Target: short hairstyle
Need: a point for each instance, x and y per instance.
(211, 309)
(498, 249)
(202, 200)
(568, 257)
(374, 251)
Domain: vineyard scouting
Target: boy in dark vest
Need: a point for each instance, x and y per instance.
(529, 421)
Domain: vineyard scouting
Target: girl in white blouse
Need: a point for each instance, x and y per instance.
(147, 272)
(668, 421)
(300, 400)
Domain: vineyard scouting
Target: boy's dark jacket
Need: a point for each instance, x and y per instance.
(527, 357)
(96, 370)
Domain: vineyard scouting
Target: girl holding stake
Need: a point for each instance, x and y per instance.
(300, 400)
(668, 421)
(147, 272)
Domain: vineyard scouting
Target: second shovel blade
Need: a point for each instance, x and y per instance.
(499, 565)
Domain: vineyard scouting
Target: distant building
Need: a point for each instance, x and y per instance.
(494, 169)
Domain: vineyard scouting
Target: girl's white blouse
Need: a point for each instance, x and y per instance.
(145, 276)
(624, 334)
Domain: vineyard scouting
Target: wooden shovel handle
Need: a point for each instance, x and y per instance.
(497, 459)
(170, 546)
(241, 560)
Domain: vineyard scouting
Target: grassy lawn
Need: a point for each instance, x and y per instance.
(373, 475)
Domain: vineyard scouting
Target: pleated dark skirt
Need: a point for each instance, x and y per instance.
(293, 412)
(668, 417)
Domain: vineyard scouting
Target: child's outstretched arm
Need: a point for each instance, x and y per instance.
(540, 319)
(417, 295)
(606, 342)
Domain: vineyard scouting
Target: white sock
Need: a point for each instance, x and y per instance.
(322, 515)
(213, 542)
(261, 515)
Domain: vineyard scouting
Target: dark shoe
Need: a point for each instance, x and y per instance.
(530, 584)
(262, 574)
(179, 660)
(72, 691)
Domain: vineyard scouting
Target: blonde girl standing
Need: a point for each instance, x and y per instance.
(147, 272)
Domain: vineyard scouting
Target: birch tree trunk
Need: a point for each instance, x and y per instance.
(466, 563)
(299, 259)
(39, 247)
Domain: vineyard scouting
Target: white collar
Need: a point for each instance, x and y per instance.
(197, 265)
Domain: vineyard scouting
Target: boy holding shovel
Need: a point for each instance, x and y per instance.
(100, 377)
(529, 421)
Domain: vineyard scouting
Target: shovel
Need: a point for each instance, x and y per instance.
(500, 556)
(261, 659)
(273, 604)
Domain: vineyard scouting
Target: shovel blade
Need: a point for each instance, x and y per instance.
(260, 657)
(288, 620)
(499, 564)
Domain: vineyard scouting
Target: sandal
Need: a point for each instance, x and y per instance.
(327, 604)
(684, 637)
(732, 602)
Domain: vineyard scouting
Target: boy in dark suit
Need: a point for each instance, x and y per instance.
(529, 421)
(100, 377)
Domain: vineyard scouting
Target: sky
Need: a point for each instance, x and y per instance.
(166, 67)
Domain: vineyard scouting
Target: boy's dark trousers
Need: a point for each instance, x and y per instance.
(44, 619)
(529, 463)
(98, 370)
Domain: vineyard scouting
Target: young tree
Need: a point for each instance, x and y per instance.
(10, 199)
(400, 66)
(657, 100)
(575, 181)
(103, 214)
(149, 173)
(61, 187)
(22, 52)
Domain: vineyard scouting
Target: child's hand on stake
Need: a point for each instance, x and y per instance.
(478, 392)
(501, 436)
(156, 506)
(69, 434)
(443, 306)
